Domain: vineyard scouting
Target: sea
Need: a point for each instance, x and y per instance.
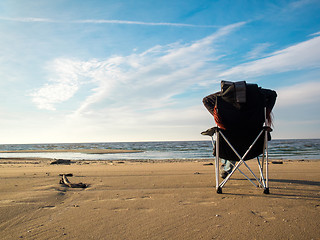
(293, 149)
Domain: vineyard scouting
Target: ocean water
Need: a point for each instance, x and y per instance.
(295, 149)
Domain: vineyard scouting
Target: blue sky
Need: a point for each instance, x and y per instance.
(100, 70)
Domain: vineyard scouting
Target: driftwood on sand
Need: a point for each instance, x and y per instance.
(61, 161)
(65, 181)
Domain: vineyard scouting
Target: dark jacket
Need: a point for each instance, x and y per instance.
(245, 108)
(239, 111)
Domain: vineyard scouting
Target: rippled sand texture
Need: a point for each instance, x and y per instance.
(156, 201)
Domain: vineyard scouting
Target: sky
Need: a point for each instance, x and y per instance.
(137, 70)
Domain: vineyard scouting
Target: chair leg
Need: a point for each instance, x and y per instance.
(262, 182)
(261, 171)
(218, 188)
(266, 189)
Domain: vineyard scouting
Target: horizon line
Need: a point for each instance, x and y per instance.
(308, 138)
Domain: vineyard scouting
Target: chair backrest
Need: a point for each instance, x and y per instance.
(240, 106)
(240, 112)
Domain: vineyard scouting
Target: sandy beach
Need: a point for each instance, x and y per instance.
(165, 200)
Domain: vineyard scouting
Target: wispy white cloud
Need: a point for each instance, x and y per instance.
(28, 19)
(143, 82)
(304, 55)
(315, 34)
(47, 96)
(300, 3)
(134, 97)
(258, 51)
(61, 87)
(103, 21)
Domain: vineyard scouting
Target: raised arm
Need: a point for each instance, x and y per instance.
(210, 101)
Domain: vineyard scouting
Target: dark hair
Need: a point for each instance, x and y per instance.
(269, 118)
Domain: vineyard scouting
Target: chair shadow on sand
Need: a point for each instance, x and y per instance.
(304, 191)
(295, 192)
(292, 181)
(289, 181)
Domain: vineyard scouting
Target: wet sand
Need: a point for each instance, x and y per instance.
(176, 200)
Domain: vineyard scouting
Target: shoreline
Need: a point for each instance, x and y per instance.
(13, 160)
(282, 150)
(87, 151)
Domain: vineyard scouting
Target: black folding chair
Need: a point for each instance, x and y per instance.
(241, 112)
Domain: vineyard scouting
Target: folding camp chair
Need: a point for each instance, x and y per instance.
(240, 111)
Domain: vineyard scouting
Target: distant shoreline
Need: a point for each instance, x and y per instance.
(186, 150)
(87, 151)
(210, 161)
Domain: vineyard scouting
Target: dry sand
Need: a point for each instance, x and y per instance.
(156, 201)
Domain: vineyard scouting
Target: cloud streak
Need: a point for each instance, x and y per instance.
(30, 19)
(145, 81)
(304, 55)
(258, 51)
(104, 21)
(61, 87)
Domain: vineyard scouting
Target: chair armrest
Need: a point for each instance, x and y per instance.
(210, 131)
(268, 129)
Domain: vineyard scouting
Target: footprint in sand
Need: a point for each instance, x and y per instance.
(267, 216)
(208, 203)
(130, 199)
(135, 198)
(185, 203)
(264, 215)
(48, 207)
(146, 197)
(145, 209)
(119, 209)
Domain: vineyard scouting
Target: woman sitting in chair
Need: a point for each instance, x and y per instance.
(236, 94)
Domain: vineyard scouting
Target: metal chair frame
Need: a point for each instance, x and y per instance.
(264, 178)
